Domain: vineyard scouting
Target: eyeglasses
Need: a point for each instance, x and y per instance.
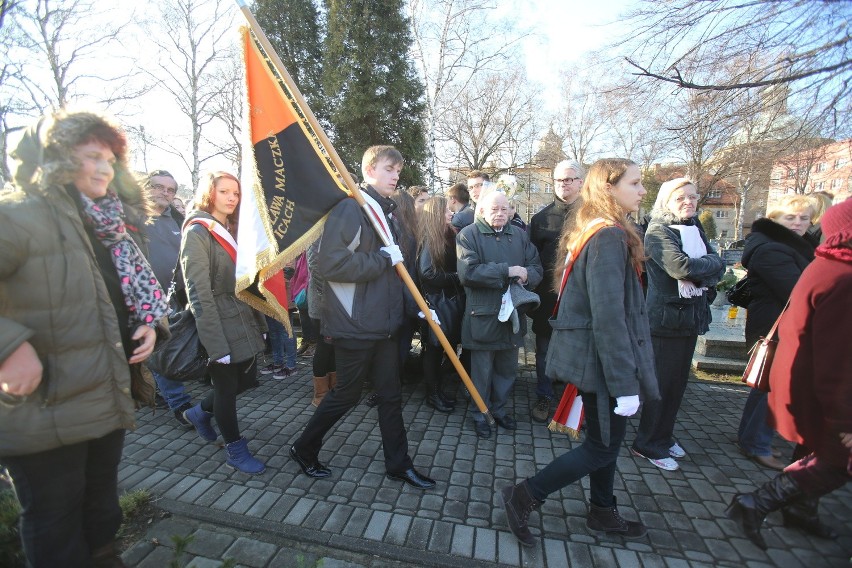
(161, 187)
(567, 180)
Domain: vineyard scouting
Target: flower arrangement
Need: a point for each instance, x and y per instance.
(727, 281)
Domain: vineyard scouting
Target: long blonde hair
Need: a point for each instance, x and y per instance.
(598, 202)
(433, 232)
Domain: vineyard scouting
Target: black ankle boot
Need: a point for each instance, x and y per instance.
(519, 503)
(804, 514)
(435, 401)
(449, 400)
(608, 520)
(750, 509)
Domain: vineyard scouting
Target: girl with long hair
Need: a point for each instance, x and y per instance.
(229, 329)
(436, 267)
(601, 344)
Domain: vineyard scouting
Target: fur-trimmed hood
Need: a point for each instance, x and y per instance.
(766, 230)
(42, 159)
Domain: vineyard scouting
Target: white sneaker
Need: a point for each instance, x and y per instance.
(676, 451)
(667, 464)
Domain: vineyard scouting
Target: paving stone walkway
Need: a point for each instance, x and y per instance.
(357, 517)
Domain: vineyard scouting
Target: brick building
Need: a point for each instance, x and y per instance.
(824, 168)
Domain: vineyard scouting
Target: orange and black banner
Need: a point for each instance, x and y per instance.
(289, 186)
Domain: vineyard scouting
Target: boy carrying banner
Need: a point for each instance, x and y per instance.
(362, 312)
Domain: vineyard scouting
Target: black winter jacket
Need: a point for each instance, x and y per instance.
(775, 257)
(668, 313)
(544, 230)
(363, 296)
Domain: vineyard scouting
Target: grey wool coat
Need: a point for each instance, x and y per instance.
(484, 258)
(226, 325)
(601, 340)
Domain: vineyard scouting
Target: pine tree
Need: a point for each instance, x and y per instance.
(374, 95)
(293, 28)
(708, 222)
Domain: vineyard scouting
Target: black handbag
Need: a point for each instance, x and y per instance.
(450, 310)
(740, 293)
(181, 357)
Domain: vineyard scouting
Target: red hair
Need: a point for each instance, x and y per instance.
(206, 195)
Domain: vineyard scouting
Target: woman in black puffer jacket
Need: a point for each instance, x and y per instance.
(775, 255)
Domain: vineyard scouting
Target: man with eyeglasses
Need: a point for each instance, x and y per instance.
(476, 180)
(545, 229)
(163, 233)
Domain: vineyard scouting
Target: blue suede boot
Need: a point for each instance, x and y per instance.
(201, 421)
(240, 459)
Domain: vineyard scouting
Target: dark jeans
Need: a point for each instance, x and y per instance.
(358, 360)
(229, 381)
(173, 391)
(69, 497)
(755, 434)
(323, 355)
(672, 360)
(544, 386)
(592, 458)
(282, 343)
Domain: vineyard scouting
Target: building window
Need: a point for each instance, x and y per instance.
(533, 188)
(714, 194)
(723, 213)
(547, 188)
(819, 186)
(840, 162)
(723, 234)
(820, 167)
(836, 183)
(791, 173)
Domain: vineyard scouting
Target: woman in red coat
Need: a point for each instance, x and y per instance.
(811, 388)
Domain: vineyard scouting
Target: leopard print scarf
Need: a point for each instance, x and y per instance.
(143, 295)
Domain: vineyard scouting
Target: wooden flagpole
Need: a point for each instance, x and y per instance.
(356, 193)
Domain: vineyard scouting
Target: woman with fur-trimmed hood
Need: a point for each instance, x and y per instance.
(78, 309)
(776, 253)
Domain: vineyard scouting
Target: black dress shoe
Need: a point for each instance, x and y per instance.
(506, 422)
(311, 468)
(413, 478)
(483, 430)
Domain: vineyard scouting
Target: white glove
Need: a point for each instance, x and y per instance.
(432, 313)
(394, 252)
(224, 360)
(627, 405)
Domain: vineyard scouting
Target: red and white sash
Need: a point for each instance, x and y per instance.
(218, 232)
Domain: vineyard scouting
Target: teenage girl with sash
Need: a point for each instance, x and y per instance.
(601, 345)
(229, 329)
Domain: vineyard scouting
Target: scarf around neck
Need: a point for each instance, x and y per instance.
(143, 295)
